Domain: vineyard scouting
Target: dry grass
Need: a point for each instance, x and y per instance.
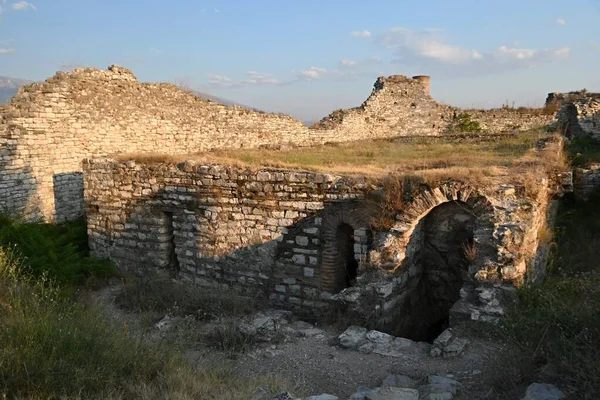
(433, 160)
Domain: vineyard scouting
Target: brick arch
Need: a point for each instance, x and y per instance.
(333, 273)
(426, 201)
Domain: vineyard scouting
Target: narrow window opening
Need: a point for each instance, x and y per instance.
(172, 261)
(348, 265)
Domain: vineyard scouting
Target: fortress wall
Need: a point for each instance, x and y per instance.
(50, 127)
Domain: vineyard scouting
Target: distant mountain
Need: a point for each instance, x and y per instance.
(9, 86)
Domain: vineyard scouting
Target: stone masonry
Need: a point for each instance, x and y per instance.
(303, 238)
(50, 127)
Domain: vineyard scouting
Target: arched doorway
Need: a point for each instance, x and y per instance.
(442, 248)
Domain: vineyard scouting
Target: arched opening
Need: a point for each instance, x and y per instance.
(441, 249)
(347, 263)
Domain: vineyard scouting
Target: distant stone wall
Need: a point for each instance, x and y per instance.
(580, 116)
(50, 127)
(402, 106)
(301, 237)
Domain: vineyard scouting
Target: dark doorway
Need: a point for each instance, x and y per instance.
(347, 263)
(443, 248)
(172, 263)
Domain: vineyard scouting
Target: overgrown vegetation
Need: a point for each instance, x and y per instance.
(58, 251)
(583, 151)
(411, 156)
(558, 321)
(464, 123)
(54, 347)
(381, 208)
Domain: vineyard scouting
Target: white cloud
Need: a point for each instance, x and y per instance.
(363, 34)
(6, 51)
(561, 22)
(312, 74)
(216, 10)
(348, 63)
(23, 6)
(430, 51)
(256, 78)
(219, 80)
(251, 78)
(154, 50)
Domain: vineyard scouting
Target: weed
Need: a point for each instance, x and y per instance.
(464, 123)
(227, 337)
(470, 251)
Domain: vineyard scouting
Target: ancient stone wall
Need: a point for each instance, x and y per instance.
(580, 116)
(401, 106)
(50, 127)
(300, 237)
(586, 181)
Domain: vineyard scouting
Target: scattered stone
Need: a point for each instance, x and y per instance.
(455, 348)
(323, 396)
(442, 380)
(265, 323)
(379, 338)
(285, 396)
(401, 381)
(361, 393)
(448, 345)
(164, 324)
(543, 391)
(392, 393)
(353, 337)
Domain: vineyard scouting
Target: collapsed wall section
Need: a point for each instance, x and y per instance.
(402, 106)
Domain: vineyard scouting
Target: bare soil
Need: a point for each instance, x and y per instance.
(317, 364)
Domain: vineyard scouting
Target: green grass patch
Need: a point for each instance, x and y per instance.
(58, 251)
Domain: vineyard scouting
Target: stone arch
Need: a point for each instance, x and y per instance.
(345, 239)
(434, 235)
(393, 258)
(437, 254)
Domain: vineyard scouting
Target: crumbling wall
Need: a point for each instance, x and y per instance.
(275, 232)
(402, 106)
(251, 231)
(581, 116)
(50, 127)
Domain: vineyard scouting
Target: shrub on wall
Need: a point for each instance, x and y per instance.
(464, 123)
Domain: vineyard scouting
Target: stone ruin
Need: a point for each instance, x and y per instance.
(50, 127)
(303, 240)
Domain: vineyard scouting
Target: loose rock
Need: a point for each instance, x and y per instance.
(543, 391)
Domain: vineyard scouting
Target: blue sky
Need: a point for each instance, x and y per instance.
(307, 58)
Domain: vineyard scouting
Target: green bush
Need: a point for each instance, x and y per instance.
(58, 250)
(464, 123)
